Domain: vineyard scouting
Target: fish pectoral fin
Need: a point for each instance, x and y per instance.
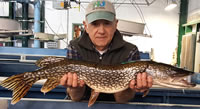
(145, 93)
(93, 97)
(50, 84)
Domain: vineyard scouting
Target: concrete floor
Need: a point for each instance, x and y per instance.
(3, 104)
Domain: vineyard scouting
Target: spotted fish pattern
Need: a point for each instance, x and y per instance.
(101, 78)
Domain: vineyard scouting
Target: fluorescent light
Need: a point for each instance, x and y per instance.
(171, 5)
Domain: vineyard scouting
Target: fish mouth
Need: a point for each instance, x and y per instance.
(176, 82)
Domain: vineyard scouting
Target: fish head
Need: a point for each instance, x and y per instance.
(174, 78)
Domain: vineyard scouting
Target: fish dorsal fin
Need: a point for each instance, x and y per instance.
(50, 84)
(45, 61)
(93, 97)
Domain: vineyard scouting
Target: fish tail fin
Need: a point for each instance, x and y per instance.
(19, 85)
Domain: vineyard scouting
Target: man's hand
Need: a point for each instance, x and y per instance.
(143, 82)
(75, 88)
(71, 80)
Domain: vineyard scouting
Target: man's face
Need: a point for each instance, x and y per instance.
(101, 32)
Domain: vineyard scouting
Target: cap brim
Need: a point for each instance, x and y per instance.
(100, 15)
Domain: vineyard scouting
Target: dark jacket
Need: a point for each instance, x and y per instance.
(119, 50)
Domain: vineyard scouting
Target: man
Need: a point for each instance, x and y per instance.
(102, 43)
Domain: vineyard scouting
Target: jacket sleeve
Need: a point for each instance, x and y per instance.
(134, 55)
(72, 53)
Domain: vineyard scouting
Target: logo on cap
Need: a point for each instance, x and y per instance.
(99, 5)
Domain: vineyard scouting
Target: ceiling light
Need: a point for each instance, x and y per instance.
(171, 5)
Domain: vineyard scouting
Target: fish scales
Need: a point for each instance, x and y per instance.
(101, 78)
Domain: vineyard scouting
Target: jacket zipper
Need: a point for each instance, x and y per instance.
(100, 57)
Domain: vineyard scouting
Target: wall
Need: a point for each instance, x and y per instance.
(194, 5)
(58, 22)
(194, 10)
(163, 26)
(4, 9)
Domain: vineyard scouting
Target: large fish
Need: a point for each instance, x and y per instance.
(100, 78)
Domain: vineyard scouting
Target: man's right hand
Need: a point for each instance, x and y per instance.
(75, 88)
(71, 80)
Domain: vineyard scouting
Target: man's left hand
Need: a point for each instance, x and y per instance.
(142, 83)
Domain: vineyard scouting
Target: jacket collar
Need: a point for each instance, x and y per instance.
(117, 41)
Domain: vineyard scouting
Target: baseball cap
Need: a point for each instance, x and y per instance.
(100, 9)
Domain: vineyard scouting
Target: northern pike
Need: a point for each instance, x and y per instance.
(100, 78)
